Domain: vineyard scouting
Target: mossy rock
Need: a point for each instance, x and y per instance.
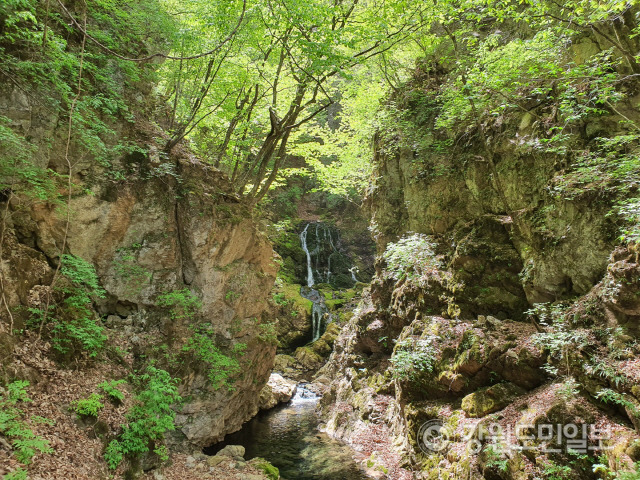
(490, 399)
(471, 357)
(291, 292)
(267, 468)
(334, 304)
(307, 356)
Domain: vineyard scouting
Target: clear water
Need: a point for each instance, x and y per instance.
(288, 437)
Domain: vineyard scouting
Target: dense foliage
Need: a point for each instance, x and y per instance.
(264, 90)
(15, 426)
(148, 420)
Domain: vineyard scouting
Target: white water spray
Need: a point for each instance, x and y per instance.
(303, 241)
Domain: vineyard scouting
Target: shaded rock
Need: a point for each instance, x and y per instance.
(307, 360)
(521, 367)
(489, 400)
(453, 381)
(233, 451)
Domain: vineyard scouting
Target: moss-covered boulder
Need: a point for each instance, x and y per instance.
(489, 400)
(267, 468)
(294, 315)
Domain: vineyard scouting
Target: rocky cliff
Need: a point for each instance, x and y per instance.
(160, 229)
(498, 294)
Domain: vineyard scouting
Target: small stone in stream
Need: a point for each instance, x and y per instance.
(233, 451)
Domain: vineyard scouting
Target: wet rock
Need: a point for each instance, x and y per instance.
(277, 390)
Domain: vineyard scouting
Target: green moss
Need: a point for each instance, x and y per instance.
(291, 293)
(269, 470)
(334, 304)
(489, 400)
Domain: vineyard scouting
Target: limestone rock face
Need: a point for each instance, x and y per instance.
(277, 390)
(507, 248)
(153, 232)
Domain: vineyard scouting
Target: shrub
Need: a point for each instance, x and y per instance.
(18, 474)
(630, 211)
(79, 328)
(221, 368)
(149, 419)
(413, 358)
(89, 406)
(267, 332)
(111, 389)
(559, 339)
(553, 471)
(18, 173)
(608, 395)
(631, 475)
(280, 299)
(183, 304)
(412, 257)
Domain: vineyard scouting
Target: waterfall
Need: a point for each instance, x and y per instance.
(326, 263)
(317, 314)
(320, 315)
(352, 270)
(303, 241)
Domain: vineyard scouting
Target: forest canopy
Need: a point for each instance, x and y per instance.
(253, 83)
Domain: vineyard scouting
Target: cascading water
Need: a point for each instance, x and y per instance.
(320, 316)
(324, 247)
(303, 241)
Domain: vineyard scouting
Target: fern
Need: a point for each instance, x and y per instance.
(14, 427)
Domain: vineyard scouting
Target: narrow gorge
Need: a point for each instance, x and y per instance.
(331, 240)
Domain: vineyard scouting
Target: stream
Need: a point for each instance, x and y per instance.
(288, 437)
